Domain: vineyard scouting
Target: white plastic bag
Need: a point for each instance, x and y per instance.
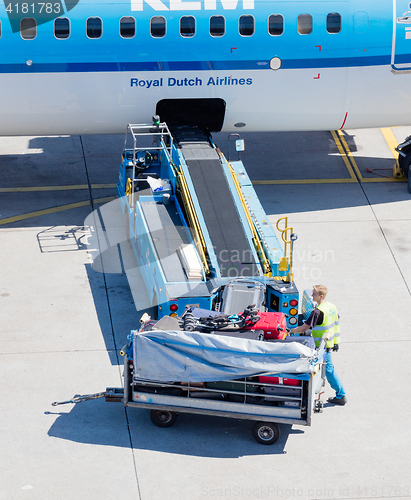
(158, 185)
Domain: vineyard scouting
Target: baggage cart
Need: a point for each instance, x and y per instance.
(269, 404)
(173, 372)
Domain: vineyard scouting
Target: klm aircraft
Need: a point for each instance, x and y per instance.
(226, 65)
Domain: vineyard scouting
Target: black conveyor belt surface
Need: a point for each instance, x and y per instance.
(226, 231)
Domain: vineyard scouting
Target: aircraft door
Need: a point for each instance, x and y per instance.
(401, 49)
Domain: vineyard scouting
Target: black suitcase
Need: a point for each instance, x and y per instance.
(281, 391)
(237, 386)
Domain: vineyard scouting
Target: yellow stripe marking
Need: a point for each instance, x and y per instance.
(384, 179)
(342, 153)
(304, 181)
(350, 156)
(53, 210)
(55, 188)
(391, 140)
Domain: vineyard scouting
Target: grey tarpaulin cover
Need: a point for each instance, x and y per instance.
(177, 356)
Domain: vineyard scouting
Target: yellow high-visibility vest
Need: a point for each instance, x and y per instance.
(330, 325)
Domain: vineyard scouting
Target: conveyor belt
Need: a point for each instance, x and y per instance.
(231, 245)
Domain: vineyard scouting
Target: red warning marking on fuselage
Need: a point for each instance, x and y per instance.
(345, 118)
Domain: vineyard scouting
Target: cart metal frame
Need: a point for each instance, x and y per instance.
(277, 409)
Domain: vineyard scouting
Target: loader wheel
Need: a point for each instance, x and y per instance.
(163, 418)
(266, 432)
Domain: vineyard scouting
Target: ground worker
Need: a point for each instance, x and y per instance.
(324, 324)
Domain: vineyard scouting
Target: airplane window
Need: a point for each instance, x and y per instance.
(127, 27)
(276, 24)
(187, 26)
(333, 23)
(28, 28)
(94, 27)
(305, 24)
(158, 26)
(217, 25)
(61, 28)
(246, 25)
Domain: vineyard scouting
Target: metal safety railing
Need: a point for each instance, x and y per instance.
(286, 263)
(140, 131)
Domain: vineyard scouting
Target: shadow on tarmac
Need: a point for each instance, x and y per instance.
(194, 435)
(55, 161)
(115, 308)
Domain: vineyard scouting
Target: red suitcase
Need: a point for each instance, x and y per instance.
(273, 324)
(279, 380)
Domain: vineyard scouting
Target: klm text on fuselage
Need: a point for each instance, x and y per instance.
(158, 5)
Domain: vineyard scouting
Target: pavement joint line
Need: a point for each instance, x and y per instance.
(55, 188)
(47, 211)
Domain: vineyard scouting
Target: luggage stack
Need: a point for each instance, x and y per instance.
(282, 388)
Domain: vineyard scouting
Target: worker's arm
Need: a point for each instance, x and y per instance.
(300, 329)
(316, 317)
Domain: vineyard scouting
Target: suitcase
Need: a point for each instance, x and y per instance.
(267, 379)
(281, 391)
(232, 385)
(237, 296)
(273, 324)
(306, 340)
(237, 386)
(241, 334)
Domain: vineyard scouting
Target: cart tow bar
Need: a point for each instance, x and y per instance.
(112, 394)
(80, 399)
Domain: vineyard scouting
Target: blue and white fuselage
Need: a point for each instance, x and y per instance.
(274, 66)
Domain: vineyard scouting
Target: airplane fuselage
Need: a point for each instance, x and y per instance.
(258, 65)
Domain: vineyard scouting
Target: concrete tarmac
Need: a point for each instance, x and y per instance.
(64, 319)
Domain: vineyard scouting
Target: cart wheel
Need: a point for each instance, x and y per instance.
(163, 418)
(266, 432)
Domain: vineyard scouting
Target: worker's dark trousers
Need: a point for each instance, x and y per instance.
(333, 378)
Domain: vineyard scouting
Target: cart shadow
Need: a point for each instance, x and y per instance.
(97, 423)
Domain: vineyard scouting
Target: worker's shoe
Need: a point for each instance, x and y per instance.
(338, 401)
